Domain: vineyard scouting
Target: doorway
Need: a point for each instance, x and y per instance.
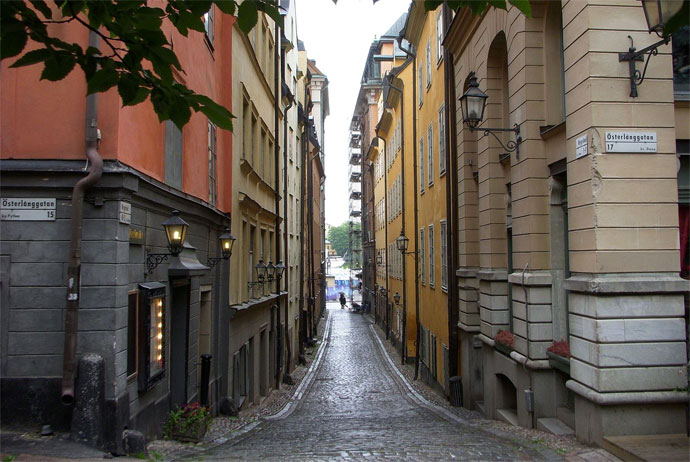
(179, 341)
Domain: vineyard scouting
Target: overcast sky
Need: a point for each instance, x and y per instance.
(338, 38)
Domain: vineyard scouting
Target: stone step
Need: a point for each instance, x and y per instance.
(480, 407)
(566, 415)
(555, 426)
(508, 416)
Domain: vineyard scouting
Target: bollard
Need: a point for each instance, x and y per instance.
(205, 378)
(89, 401)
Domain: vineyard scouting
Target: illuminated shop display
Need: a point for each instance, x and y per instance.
(153, 335)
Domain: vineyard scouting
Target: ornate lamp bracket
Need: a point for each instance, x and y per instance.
(632, 55)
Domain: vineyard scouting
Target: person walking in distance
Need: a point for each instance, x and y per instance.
(342, 300)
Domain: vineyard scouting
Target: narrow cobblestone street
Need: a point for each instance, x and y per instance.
(356, 408)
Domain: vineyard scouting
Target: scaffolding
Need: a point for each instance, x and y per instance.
(355, 209)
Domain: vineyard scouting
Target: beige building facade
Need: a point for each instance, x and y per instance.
(574, 236)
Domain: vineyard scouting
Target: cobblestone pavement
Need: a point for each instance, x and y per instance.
(355, 407)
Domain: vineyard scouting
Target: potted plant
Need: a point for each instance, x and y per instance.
(188, 423)
(559, 356)
(504, 341)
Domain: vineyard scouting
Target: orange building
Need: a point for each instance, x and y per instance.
(151, 325)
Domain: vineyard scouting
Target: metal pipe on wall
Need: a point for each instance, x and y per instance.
(276, 148)
(74, 265)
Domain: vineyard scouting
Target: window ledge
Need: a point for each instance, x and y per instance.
(547, 131)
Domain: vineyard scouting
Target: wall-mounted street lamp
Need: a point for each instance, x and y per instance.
(227, 241)
(396, 298)
(176, 232)
(379, 259)
(657, 13)
(472, 104)
(402, 242)
(267, 273)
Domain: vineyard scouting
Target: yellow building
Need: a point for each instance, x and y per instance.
(437, 356)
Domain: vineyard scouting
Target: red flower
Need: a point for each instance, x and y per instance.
(505, 337)
(560, 348)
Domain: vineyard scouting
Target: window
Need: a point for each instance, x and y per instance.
(173, 155)
(439, 36)
(422, 260)
(239, 375)
(432, 257)
(441, 140)
(253, 136)
(262, 156)
(246, 127)
(212, 166)
(430, 154)
(421, 164)
(420, 83)
(209, 23)
(444, 256)
(428, 64)
(250, 269)
(132, 331)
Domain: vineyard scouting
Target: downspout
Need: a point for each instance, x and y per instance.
(412, 55)
(74, 265)
(288, 349)
(451, 202)
(402, 231)
(385, 239)
(276, 148)
(310, 195)
(303, 174)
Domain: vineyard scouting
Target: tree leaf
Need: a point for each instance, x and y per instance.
(179, 112)
(127, 87)
(41, 6)
(33, 57)
(431, 5)
(217, 114)
(226, 6)
(525, 7)
(14, 36)
(102, 80)
(247, 16)
(57, 66)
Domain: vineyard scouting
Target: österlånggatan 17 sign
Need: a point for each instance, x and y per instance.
(27, 209)
(631, 142)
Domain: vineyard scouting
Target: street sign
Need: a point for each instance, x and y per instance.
(27, 209)
(581, 146)
(125, 213)
(630, 142)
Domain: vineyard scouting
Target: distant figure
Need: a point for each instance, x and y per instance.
(342, 300)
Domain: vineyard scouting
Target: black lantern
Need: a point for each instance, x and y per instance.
(227, 241)
(472, 104)
(396, 298)
(379, 259)
(658, 12)
(280, 269)
(176, 231)
(260, 271)
(270, 271)
(402, 242)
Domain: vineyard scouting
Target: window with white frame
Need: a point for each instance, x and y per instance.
(420, 83)
(422, 256)
(430, 154)
(421, 164)
(441, 140)
(444, 256)
(428, 64)
(212, 192)
(439, 35)
(432, 255)
(209, 19)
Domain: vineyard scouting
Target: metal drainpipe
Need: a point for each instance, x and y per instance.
(310, 194)
(451, 203)
(276, 149)
(385, 223)
(74, 268)
(412, 55)
(303, 175)
(288, 350)
(402, 165)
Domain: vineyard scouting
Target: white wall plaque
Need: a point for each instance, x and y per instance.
(125, 213)
(630, 141)
(581, 146)
(27, 209)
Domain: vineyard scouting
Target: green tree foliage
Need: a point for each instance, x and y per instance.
(339, 237)
(139, 60)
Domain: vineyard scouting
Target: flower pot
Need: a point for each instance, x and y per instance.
(192, 434)
(505, 349)
(559, 362)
